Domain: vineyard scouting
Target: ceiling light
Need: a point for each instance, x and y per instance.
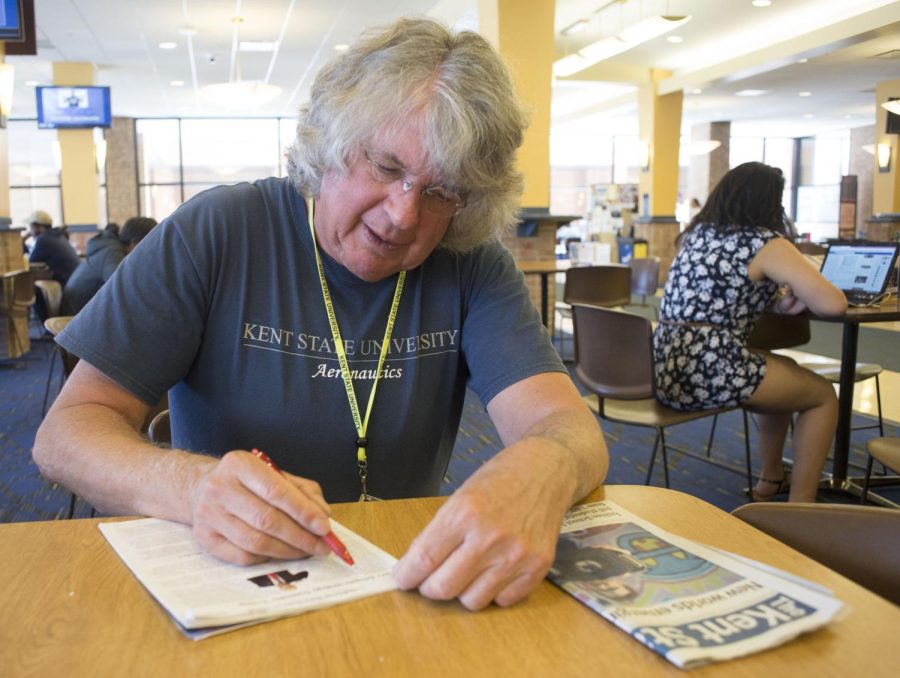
(31, 83)
(577, 27)
(168, 45)
(7, 80)
(751, 92)
(892, 106)
(804, 94)
(761, 3)
(695, 91)
(631, 36)
(341, 48)
(675, 39)
(807, 115)
(177, 83)
(802, 61)
(237, 94)
(187, 31)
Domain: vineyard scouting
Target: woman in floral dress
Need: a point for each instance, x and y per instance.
(736, 259)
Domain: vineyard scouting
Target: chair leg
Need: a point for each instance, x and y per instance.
(652, 459)
(865, 487)
(878, 400)
(747, 454)
(662, 439)
(49, 381)
(72, 507)
(712, 433)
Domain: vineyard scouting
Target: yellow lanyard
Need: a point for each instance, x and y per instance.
(360, 423)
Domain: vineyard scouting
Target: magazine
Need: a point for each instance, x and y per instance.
(206, 596)
(690, 603)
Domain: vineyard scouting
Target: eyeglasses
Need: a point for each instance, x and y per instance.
(440, 201)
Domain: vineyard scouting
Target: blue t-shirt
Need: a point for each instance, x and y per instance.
(221, 303)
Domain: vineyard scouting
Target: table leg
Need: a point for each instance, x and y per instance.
(544, 295)
(845, 404)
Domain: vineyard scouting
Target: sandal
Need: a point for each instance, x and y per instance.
(780, 486)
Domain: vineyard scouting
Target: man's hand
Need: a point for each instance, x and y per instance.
(493, 540)
(244, 512)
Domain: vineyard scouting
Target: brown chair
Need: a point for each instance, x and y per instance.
(51, 292)
(607, 286)
(54, 326)
(16, 300)
(886, 451)
(644, 278)
(860, 542)
(614, 360)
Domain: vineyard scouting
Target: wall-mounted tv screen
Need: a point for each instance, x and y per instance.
(893, 121)
(72, 107)
(12, 28)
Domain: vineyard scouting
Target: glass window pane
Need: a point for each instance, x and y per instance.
(31, 160)
(745, 149)
(159, 201)
(288, 130)
(24, 201)
(158, 151)
(222, 151)
(817, 211)
(780, 154)
(625, 163)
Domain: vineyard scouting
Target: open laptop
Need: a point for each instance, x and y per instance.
(861, 271)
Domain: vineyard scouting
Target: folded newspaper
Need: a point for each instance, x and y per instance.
(690, 603)
(206, 596)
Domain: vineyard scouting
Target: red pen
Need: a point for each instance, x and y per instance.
(334, 543)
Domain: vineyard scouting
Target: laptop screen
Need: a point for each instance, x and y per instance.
(860, 268)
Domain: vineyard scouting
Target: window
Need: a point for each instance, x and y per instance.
(33, 172)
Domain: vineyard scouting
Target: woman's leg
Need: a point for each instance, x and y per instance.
(789, 388)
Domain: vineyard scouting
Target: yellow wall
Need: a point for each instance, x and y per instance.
(78, 177)
(522, 30)
(886, 185)
(660, 129)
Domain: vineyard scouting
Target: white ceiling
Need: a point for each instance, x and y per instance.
(728, 46)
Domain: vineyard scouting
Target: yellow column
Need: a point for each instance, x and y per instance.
(78, 177)
(522, 30)
(886, 185)
(660, 130)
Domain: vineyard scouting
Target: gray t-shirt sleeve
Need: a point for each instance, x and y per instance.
(144, 326)
(503, 338)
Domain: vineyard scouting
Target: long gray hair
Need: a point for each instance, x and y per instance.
(456, 84)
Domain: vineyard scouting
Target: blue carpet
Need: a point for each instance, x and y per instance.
(24, 495)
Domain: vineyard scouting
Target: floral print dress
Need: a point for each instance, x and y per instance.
(707, 312)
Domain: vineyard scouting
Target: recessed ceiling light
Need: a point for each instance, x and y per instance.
(256, 46)
(807, 115)
(31, 83)
(574, 28)
(341, 48)
(761, 3)
(695, 91)
(177, 83)
(804, 94)
(675, 39)
(751, 92)
(188, 31)
(168, 45)
(802, 61)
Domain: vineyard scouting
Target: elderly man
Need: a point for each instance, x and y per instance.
(338, 333)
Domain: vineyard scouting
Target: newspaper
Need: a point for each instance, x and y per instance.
(690, 603)
(206, 596)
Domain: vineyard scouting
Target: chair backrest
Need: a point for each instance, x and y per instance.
(773, 331)
(598, 285)
(51, 291)
(613, 353)
(812, 248)
(23, 289)
(860, 542)
(644, 275)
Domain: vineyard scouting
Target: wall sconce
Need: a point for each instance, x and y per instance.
(884, 157)
(6, 92)
(644, 156)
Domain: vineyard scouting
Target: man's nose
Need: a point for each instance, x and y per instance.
(403, 206)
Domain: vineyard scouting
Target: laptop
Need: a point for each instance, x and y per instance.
(861, 271)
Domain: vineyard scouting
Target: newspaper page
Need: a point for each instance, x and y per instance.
(205, 595)
(690, 603)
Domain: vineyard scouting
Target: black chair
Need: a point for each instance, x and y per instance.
(886, 451)
(645, 279)
(607, 286)
(614, 360)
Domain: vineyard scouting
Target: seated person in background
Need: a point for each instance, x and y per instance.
(737, 258)
(105, 252)
(51, 247)
(270, 311)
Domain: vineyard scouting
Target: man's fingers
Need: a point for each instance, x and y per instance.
(426, 554)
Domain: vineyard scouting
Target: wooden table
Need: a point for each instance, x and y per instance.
(851, 320)
(71, 608)
(544, 269)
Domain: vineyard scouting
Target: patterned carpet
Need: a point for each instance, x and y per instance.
(24, 495)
